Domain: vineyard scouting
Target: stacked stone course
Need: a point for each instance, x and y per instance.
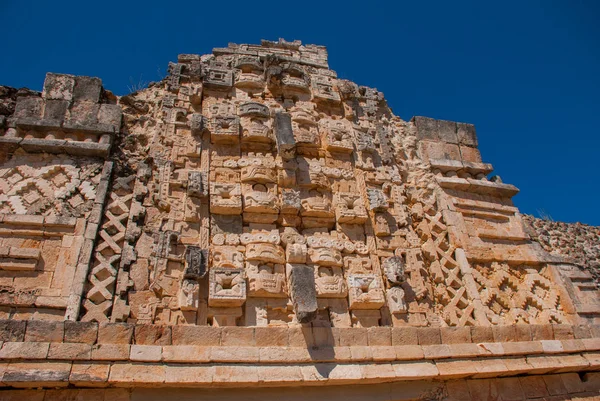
(254, 221)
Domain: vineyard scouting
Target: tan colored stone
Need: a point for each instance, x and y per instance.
(126, 374)
(185, 353)
(234, 354)
(323, 337)
(429, 336)
(542, 332)
(455, 335)
(503, 334)
(481, 334)
(562, 331)
(523, 348)
(383, 353)
(284, 355)
(415, 370)
(464, 350)
(196, 335)
(152, 335)
(89, 374)
(300, 337)
(27, 350)
(533, 386)
(182, 375)
(379, 336)
(436, 351)
(70, 351)
(409, 352)
(353, 336)
(277, 375)
(271, 336)
(404, 336)
(235, 374)
(145, 353)
(361, 353)
(37, 374)
(115, 333)
(450, 370)
(110, 352)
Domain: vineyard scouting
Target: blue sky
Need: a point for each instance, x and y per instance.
(526, 73)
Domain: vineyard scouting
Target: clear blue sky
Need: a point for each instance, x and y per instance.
(526, 73)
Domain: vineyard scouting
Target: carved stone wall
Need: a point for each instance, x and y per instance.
(252, 187)
(578, 242)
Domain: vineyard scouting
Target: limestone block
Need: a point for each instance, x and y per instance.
(330, 282)
(38, 374)
(185, 353)
(284, 135)
(145, 353)
(302, 291)
(127, 374)
(59, 86)
(12, 330)
(152, 335)
(24, 350)
(70, 351)
(115, 333)
(110, 352)
(429, 336)
(365, 291)
(89, 374)
(227, 287)
(196, 335)
(42, 331)
(81, 332)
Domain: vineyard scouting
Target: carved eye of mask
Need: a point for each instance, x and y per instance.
(259, 188)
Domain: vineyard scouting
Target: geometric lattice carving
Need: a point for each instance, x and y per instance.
(517, 294)
(54, 185)
(109, 251)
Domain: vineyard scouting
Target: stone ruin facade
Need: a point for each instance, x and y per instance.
(253, 222)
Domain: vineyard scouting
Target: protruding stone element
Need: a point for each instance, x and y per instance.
(330, 282)
(393, 268)
(396, 301)
(377, 200)
(197, 123)
(218, 77)
(196, 184)
(196, 261)
(284, 135)
(254, 109)
(266, 280)
(301, 281)
(189, 295)
(296, 253)
(365, 291)
(227, 287)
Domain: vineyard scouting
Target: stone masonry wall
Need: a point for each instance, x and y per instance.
(578, 242)
(253, 220)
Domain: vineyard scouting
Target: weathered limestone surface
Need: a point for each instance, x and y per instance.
(578, 242)
(252, 220)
